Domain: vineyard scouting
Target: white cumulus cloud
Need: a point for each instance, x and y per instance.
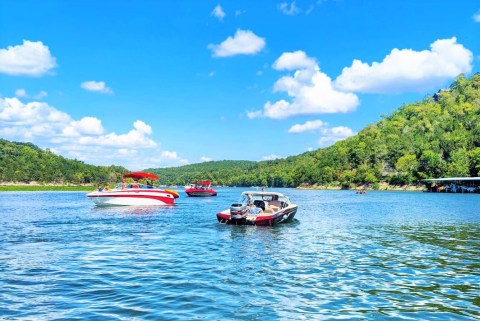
(476, 17)
(171, 158)
(244, 42)
(310, 91)
(14, 113)
(294, 60)
(328, 135)
(218, 12)
(205, 159)
(408, 70)
(41, 95)
(28, 59)
(334, 134)
(309, 126)
(84, 139)
(289, 9)
(20, 93)
(270, 157)
(96, 86)
(135, 138)
(86, 125)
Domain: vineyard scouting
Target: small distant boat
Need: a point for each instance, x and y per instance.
(200, 189)
(361, 191)
(259, 208)
(134, 194)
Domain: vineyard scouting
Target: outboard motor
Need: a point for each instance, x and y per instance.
(238, 211)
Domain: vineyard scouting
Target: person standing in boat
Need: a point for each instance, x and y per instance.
(124, 184)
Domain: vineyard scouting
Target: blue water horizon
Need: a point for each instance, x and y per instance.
(380, 256)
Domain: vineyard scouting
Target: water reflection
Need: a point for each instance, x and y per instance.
(383, 255)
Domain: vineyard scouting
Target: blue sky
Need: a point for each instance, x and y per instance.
(167, 83)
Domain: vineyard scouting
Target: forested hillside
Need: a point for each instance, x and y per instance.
(436, 137)
(25, 162)
(220, 172)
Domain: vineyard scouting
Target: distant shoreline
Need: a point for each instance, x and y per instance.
(32, 187)
(17, 187)
(381, 187)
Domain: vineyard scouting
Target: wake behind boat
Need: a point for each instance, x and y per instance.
(134, 194)
(259, 208)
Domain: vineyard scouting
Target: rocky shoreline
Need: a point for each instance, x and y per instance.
(380, 187)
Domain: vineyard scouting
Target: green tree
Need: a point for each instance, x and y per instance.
(407, 166)
(459, 165)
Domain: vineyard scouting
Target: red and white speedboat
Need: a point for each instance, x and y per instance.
(259, 208)
(200, 189)
(134, 194)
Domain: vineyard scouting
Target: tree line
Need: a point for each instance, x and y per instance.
(438, 136)
(25, 162)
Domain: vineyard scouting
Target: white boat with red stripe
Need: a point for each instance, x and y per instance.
(259, 208)
(134, 194)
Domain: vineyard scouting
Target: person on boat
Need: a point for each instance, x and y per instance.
(100, 189)
(124, 184)
(254, 210)
(135, 184)
(106, 189)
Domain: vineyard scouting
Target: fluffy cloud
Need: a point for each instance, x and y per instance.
(294, 60)
(96, 86)
(476, 17)
(86, 125)
(244, 42)
(289, 9)
(310, 91)
(14, 113)
(135, 138)
(20, 93)
(270, 157)
(328, 135)
(332, 135)
(309, 126)
(29, 59)
(41, 95)
(218, 12)
(169, 158)
(205, 159)
(408, 70)
(83, 139)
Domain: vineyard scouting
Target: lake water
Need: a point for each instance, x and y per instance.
(384, 255)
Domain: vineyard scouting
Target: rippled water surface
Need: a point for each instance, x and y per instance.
(384, 255)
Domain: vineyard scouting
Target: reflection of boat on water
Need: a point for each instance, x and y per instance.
(134, 194)
(259, 208)
(200, 189)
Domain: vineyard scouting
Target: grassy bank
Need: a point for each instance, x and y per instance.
(39, 188)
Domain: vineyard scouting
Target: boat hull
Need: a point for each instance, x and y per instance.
(200, 193)
(283, 216)
(135, 197)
